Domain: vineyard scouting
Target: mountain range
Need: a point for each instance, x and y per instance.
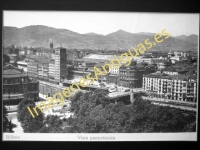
(39, 36)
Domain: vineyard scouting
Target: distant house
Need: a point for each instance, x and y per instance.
(178, 58)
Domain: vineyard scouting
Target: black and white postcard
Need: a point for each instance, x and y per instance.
(100, 76)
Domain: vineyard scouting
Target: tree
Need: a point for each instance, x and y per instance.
(5, 119)
(30, 124)
(93, 114)
(52, 124)
(147, 117)
(24, 102)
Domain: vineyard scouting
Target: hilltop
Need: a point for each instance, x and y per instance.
(39, 35)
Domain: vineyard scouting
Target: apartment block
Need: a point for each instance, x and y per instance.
(52, 70)
(39, 68)
(60, 64)
(32, 69)
(181, 87)
(43, 71)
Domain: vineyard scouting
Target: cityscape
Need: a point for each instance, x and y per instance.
(155, 93)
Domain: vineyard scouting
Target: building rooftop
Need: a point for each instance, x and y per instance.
(170, 69)
(156, 61)
(22, 63)
(41, 59)
(98, 56)
(184, 77)
(102, 57)
(47, 49)
(9, 71)
(157, 75)
(98, 65)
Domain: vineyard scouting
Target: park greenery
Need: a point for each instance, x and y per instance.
(93, 113)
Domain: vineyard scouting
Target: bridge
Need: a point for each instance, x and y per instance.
(126, 97)
(113, 97)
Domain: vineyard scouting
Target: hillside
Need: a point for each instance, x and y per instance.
(191, 39)
(38, 36)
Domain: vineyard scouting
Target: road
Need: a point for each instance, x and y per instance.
(160, 102)
(169, 100)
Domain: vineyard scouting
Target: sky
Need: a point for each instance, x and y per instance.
(106, 22)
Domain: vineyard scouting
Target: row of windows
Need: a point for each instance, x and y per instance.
(15, 80)
(31, 66)
(161, 80)
(114, 71)
(169, 90)
(168, 84)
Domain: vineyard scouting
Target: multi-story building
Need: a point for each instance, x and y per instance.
(174, 87)
(39, 68)
(114, 70)
(42, 52)
(11, 50)
(22, 65)
(17, 85)
(13, 57)
(132, 75)
(43, 71)
(16, 51)
(52, 71)
(22, 52)
(32, 69)
(60, 64)
(178, 53)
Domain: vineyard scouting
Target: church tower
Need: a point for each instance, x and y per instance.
(51, 43)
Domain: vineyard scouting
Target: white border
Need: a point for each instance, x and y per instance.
(110, 136)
